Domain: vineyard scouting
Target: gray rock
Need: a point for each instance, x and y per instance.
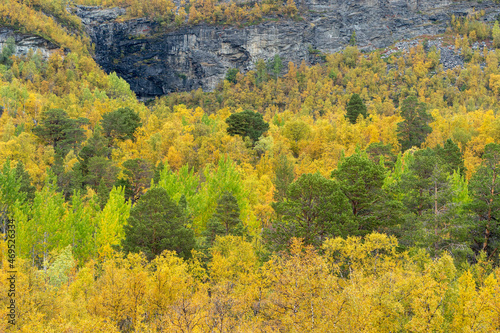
(449, 56)
(155, 62)
(25, 42)
(96, 15)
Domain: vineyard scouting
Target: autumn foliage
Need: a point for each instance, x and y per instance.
(354, 285)
(381, 221)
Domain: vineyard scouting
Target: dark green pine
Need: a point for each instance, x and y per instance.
(355, 107)
(226, 219)
(247, 123)
(156, 224)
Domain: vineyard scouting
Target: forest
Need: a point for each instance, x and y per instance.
(359, 194)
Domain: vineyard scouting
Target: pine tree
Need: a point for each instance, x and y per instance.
(484, 189)
(313, 210)
(24, 179)
(378, 152)
(156, 223)
(228, 213)
(426, 176)
(276, 65)
(352, 40)
(59, 130)
(139, 173)
(226, 219)
(261, 72)
(415, 127)
(121, 124)
(231, 74)
(427, 194)
(451, 155)
(7, 51)
(102, 193)
(247, 123)
(9, 194)
(355, 107)
(360, 180)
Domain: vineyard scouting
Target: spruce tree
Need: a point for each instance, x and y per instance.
(355, 107)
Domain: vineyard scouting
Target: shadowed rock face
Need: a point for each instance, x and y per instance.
(156, 62)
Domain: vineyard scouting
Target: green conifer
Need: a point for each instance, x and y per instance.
(226, 219)
(156, 223)
(355, 107)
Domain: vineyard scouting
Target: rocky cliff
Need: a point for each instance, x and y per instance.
(25, 42)
(155, 61)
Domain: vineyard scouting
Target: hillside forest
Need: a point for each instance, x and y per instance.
(359, 194)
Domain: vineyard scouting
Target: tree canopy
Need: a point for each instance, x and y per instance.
(120, 124)
(314, 209)
(156, 224)
(247, 123)
(355, 107)
(59, 130)
(226, 219)
(415, 127)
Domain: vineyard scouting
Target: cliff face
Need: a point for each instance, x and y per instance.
(157, 62)
(25, 42)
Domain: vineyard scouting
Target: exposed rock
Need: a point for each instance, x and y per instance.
(96, 15)
(156, 62)
(25, 42)
(449, 56)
